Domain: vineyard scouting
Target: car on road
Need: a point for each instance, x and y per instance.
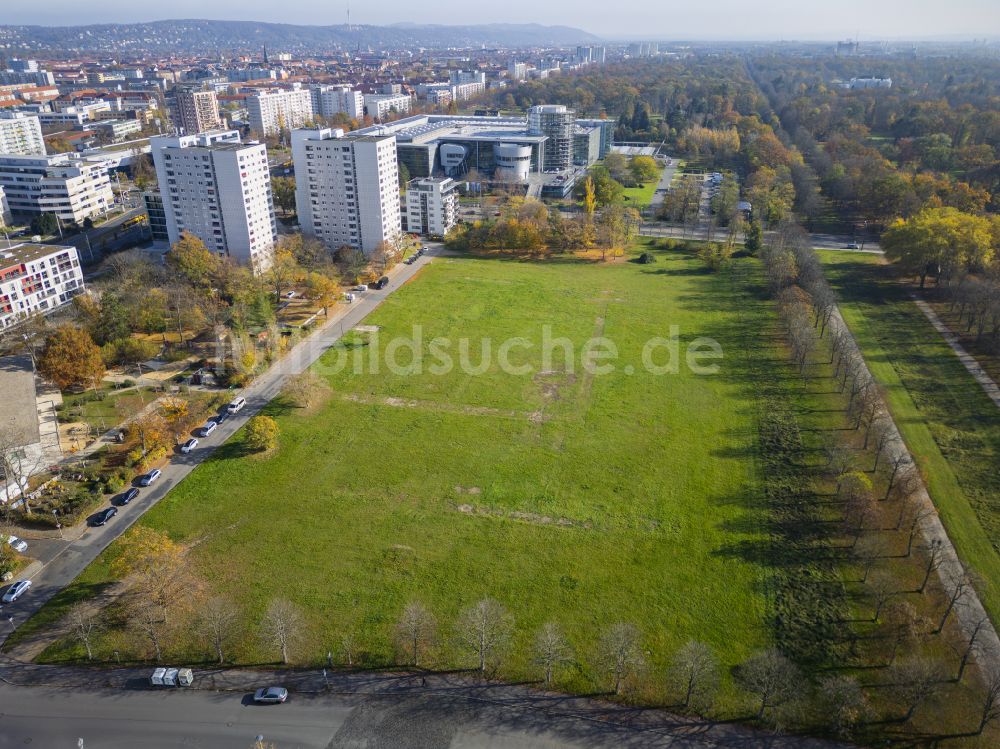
(361, 287)
(209, 427)
(128, 496)
(266, 695)
(17, 590)
(381, 283)
(103, 516)
(411, 260)
(852, 246)
(150, 477)
(17, 544)
(236, 405)
(188, 446)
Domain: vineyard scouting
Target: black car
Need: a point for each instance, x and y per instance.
(104, 516)
(129, 495)
(381, 283)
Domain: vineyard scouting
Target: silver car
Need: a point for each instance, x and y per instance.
(270, 695)
(17, 544)
(17, 590)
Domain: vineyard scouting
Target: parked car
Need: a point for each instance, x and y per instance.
(852, 246)
(361, 287)
(104, 516)
(128, 496)
(236, 405)
(411, 260)
(382, 282)
(17, 544)
(150, 477)
(210, 426)
(290, 295)
(267, 695)
(188, 446)
(17, 590)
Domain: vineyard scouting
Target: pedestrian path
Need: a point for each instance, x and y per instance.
(968, 360)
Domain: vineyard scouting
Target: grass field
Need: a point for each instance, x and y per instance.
(640, 197)
(948, 422)
(369, 504)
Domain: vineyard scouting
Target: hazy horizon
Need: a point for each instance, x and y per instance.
(723, 20)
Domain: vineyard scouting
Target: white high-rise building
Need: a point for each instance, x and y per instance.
(21, 134)
(331, 100)
(218, 189)
(273, 111)
(380, 106)
(63, 184)
(347, 188)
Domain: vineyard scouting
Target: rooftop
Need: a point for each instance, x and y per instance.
(28, 253)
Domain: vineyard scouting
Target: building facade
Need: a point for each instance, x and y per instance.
(431, 206)
(274, 111)
(347, 188)
(36, 279)
(71, 188)
(196, 111)
(218, 189)
(555, 122)
(380, 106)
(331, 100)
(21, 134)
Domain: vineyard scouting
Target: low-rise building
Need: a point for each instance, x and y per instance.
(431, 206)
(116, 130)
(36, 279)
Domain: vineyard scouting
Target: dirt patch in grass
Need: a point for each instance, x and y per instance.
(532, 416)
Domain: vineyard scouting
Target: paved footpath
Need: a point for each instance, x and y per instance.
(64, 563)
(967, 359)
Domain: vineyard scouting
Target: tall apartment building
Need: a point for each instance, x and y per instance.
(517, 71)
(273, 111)
(196, 111)
(431, 205)
(380, 106)
(63, 184)
(218, 189)
(36, 278)
(556, 123)
(330, 100)
(347, 188)
(21, 134)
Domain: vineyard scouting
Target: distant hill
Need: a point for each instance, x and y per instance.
(201, 36)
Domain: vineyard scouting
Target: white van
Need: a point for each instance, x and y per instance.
(236, 405)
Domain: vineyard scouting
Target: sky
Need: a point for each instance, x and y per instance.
(611, 19)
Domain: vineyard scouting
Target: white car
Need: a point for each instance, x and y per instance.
(150, 477)
(17, 544)
(361, 287)
(16, 590)
(188, 446)
(210, 426)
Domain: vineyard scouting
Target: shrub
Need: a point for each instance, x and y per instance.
(128, 383)
(113, 484)
(153, 456)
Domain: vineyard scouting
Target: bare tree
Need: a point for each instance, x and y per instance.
(306, 388)
(918, 517)
(899, 464)
(694, 673)
(85, 623)
(484, 629)
(416, 630)
(885, 436)
(882, 587)
(970, 646)
(844, 704)
(903, 625)
(146, 618)
(958, 587)
(17, 464)
(867, 551)
(282, 626)
(771, 678)
(914, 681)
(990, 711)
(551, 649)
(933, 561)
(217, 623)
(619, 654)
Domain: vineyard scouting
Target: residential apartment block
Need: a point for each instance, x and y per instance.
(380, 106)
(431, 205)
(196, 111)
(331, 100)
(347, 188)
(36, 278)
(218, 189)
(71, 188)
(21, 134)
(273, 111)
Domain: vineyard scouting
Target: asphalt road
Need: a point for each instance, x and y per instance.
(64, 561)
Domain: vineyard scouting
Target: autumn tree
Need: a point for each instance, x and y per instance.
(306, 389)
(550, 649)
(484, 631)
(416, 631)
(845, 704)
(71, 358)
(261, 433)
(914, 682)
(643, 168)
(155, 570)
(939, 241)
(192, 259)
(283, 190)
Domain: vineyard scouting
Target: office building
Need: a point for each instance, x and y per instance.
(380, 106)
(431, 206)
(218, 189)
(36, 278)
(64, 184)
(274, 111)
(555, 122)
(347, 188)
(21, 134)
(196, 111)
(331, 100)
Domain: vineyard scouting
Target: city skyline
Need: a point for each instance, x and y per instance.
(724, 20)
